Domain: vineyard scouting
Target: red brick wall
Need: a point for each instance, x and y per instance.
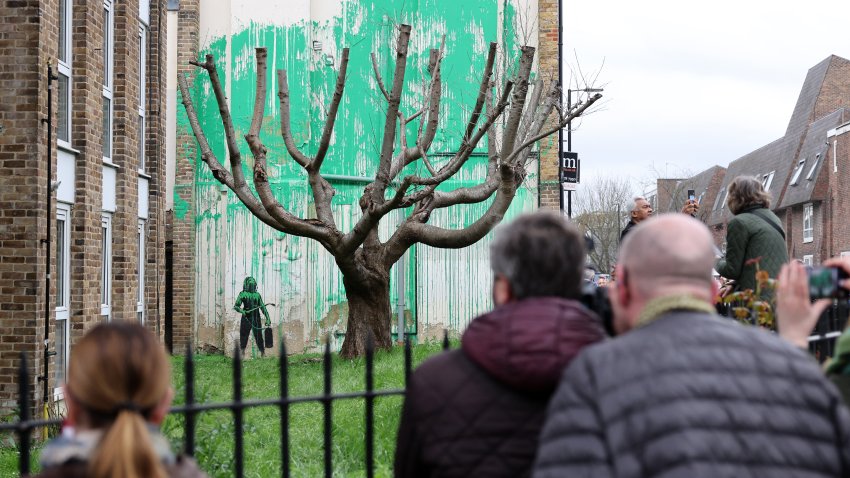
(547, 57)
(839, 196)
(23, 66)
(835, 91)
(183, 228)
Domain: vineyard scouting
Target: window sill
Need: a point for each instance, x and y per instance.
(145, 175)
(66, 148)
(808, 240)
(112, 165)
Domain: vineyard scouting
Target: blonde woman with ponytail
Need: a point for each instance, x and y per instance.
(117, 394)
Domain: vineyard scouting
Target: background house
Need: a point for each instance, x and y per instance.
(801, 170)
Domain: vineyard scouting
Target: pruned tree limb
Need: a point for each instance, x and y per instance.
(324, 142)
(482, 91)
(219, 173)
(382, 178)
(286, 122)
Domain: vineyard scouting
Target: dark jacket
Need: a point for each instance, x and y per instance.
(67, 456)
(478, 411)
(747, 237)
(693, 395)
(627, 229)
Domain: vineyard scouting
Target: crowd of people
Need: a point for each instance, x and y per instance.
(679, 391)
(538, 388)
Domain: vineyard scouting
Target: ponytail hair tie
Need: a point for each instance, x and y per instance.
(128, 406)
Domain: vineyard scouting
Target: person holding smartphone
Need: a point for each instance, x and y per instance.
(797, 315)
(753, 236)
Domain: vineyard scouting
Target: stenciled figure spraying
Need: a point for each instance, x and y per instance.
(249, 303)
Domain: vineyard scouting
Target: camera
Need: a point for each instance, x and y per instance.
(691, 195)
(825, 283)
(596, 299)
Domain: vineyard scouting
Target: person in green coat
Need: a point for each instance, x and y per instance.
(754, 235)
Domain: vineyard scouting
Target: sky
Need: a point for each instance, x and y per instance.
(688, 84)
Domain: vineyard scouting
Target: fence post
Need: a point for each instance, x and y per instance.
(284, 409)
(327, 403)
(23, 425)
(237, 411)
(445, 339)
(189, 413)
(370, 403)
(407, 361)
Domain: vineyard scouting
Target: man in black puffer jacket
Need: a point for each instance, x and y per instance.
(686, 393)
(477, 411)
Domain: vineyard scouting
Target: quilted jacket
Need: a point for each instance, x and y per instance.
(693, 395)
(747, 237)
(477, 411)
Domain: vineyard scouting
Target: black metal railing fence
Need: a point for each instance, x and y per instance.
(25, 426)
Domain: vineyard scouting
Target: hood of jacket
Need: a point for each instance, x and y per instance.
(527, 344)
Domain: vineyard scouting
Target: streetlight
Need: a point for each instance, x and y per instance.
(569, 147)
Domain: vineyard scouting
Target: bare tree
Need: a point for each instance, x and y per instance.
(603, 205)
(363, 259)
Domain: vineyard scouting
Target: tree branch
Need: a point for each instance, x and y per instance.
(324, 142)
(482, 91)
(285, 121)
(226, 121)
(382, 177)
(378, 77)
(219, 173)
(509, 135)
(575, 113)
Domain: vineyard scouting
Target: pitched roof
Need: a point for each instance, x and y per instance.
(761, 162)
(779, 158)
(810, 160)
(699, 183)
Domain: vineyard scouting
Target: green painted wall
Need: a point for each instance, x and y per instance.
(297, 273)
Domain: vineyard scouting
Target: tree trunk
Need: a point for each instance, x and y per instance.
(368, 310)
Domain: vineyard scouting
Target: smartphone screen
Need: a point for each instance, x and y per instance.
(691, 195)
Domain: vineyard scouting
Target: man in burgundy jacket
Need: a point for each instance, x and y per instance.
(478, 411)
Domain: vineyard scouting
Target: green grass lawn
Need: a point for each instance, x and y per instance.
(214, 435)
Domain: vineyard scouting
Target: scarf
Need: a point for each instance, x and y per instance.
(662, 305)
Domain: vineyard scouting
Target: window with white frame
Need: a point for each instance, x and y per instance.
(63, 114)
(140, 303)
(143, 51)
(63, 280)
(809, 260)
(766, 180)
(108, 61)
(808, 219)
(797, 171)
(106, 266)
(814, 166)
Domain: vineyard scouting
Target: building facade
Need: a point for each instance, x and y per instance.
(82, 161)
(217, 242)
(804, 170)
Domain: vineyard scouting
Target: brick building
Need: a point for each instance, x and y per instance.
(99, 136)
(804, 170)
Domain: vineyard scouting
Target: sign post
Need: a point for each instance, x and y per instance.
(569, 178)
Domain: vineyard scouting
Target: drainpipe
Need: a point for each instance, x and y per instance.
(49, 190)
